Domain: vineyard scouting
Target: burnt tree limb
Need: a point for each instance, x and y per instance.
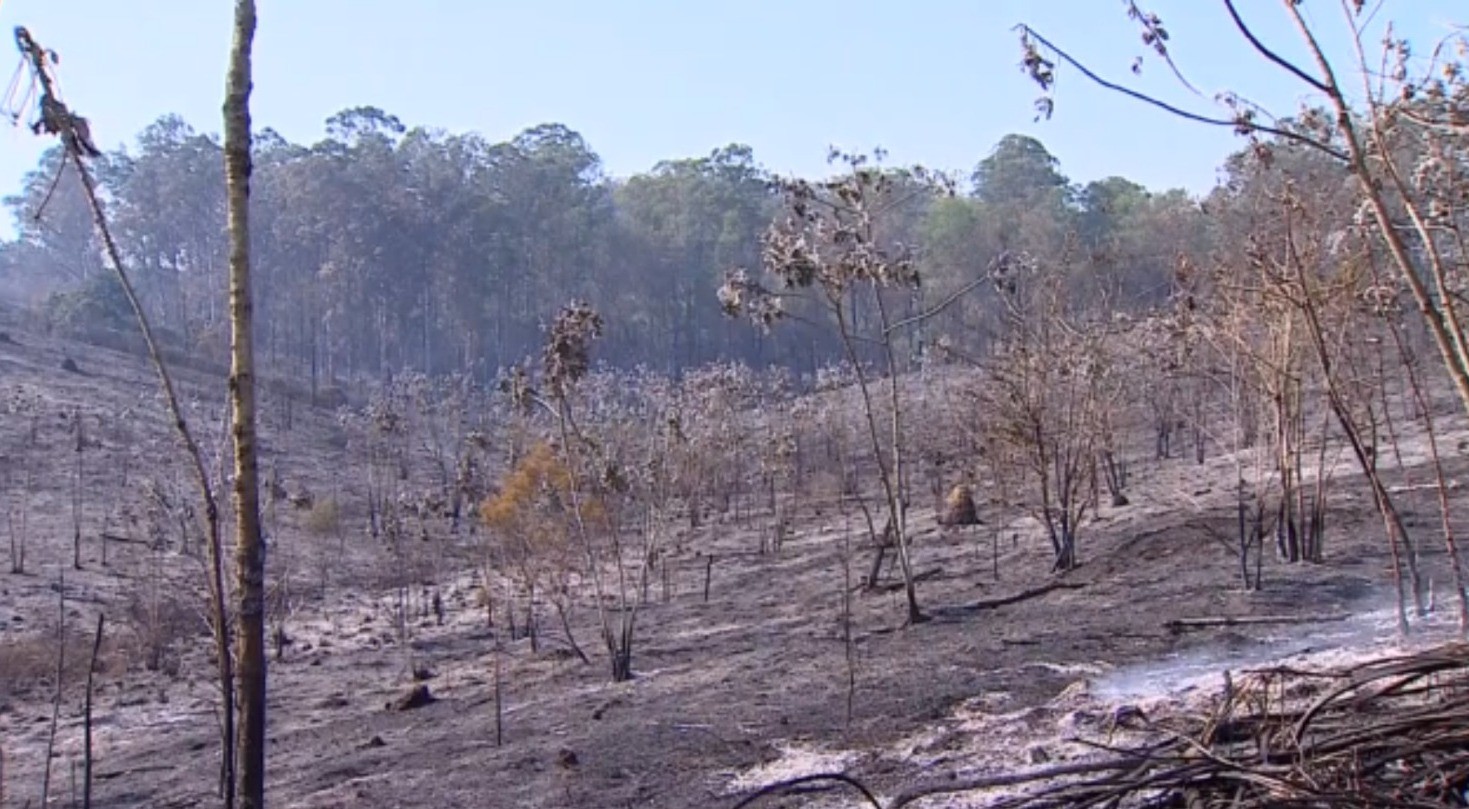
(1186, 624)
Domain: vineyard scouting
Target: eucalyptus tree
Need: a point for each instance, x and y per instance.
(687, 221)
(169, 215)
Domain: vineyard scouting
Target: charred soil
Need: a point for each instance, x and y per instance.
(749, 686)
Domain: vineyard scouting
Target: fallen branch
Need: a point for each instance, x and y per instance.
(125, 540)
(893, 586)
(792, 784)
(1451, 485)
(1024, 595)
(1051, 773)
(1185, 624)
(150, 768)
(1393, 732)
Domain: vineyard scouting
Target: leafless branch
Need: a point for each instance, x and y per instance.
(936, 308)
(1270, 54)
(1239, 125)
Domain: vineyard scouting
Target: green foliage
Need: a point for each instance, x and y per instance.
(1019, 171)
(99, 304)
(388, 246)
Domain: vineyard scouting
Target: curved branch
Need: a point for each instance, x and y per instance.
(1272, 55)
(1243, 125)
(916, 793)
(781, 787)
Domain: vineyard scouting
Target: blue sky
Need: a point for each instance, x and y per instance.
(932, 81)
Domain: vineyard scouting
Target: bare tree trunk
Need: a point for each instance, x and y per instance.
(76, 492)
(60, 681)
(1418, 396)
(565, 615)
(890, 478)
(249, 544)
(87, 718)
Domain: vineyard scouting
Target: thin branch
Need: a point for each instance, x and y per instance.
(894, 204)
(1241, 125)
(1162, 50)
(1429, 123)
(1272, 55)
(57, 119)
(50, 189)
(936, 309)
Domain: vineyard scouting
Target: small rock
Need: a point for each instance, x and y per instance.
(333, 701)
(566, 758)
(376, 741)
(1038, 755)
(69, 365)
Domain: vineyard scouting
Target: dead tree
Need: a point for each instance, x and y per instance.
(249, 543)
(831, 243)
(1394, 143)
(55, 118)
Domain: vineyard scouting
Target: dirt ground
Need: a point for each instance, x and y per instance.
(747, 687)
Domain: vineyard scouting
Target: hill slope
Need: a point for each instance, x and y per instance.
(754, 682)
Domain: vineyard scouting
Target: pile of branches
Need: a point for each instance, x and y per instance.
(1393, 732)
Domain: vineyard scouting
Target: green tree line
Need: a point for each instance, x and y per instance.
(385, 248)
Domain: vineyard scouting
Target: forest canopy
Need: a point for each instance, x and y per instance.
(386, 248)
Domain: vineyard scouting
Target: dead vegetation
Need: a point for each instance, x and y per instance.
(373, 608)
(709, 523)
(1389, 732)
(28, 664)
